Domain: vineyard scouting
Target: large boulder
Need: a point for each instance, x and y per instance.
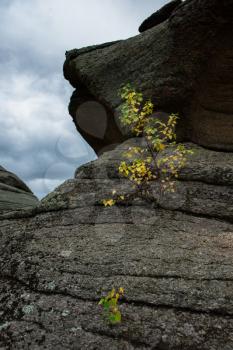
(14, 194)
(184, 65)
(173, 257)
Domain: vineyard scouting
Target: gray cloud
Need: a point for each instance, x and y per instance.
(38, 140)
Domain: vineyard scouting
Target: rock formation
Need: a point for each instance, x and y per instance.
(173, 257)
(14, 194)
(159, 16)
(171, 253)
(184, 64)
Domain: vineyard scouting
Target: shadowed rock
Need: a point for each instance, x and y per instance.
(14, 194)
(184, 65)
(159, 16)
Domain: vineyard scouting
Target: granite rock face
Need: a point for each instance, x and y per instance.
(172, 255)
(184, 64)
(14, 194)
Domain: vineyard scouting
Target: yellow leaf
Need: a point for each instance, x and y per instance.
(108, 202)
(121, 290)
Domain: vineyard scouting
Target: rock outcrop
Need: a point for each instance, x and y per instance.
(159, 16)
(184, 64)
(172, 256)
(14, 194)
(172, 253)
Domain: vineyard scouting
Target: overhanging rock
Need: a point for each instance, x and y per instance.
(184, 64)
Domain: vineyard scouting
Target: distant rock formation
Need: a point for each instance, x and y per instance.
(184, 64)
(159, 16)
(173, 258)
(14, 194)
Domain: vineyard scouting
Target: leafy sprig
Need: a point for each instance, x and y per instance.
(110, 306)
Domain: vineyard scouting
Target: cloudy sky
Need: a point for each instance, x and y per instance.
(38, 140)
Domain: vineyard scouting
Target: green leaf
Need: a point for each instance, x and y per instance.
(106, 306)
(113, 302)
(115, 318)
(118, 316)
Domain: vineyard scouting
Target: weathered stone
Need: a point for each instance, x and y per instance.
(159, 16)
(172, 253)
(59, 259)
(14, 194)
(176, 270)
(204, 185)
(184, 64)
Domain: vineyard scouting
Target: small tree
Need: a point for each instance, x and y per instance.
(150, 163)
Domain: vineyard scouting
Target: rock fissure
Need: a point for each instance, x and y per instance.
(46, 292)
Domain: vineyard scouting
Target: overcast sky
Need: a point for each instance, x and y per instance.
(38, 140)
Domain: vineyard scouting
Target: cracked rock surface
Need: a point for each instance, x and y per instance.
(173, 257)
